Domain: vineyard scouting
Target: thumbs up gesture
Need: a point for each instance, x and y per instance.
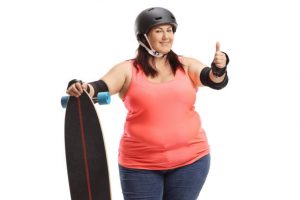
(220, 59)
(220, 62)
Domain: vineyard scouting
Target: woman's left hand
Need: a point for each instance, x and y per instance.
(220, 57)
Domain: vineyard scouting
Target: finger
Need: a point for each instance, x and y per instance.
(79, 87)
(218, 57)
(71, 92)
(84, 86)
(219, 54)
(74, 91)
(218, 46)
(220, 65)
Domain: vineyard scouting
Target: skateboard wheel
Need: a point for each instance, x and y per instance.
(103, 98)
(64, 101)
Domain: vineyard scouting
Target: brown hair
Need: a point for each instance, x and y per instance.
(143, 57)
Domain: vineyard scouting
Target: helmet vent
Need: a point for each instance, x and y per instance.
(158, 18)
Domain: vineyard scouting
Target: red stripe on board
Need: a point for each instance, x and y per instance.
(84, 150)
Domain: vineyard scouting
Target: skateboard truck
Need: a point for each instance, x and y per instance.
(102, 98)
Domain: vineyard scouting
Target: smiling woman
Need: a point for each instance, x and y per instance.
(164, 152)
(161, 37)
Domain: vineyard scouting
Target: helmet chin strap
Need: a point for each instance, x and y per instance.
(150, 51)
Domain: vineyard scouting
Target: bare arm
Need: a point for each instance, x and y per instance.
(194, 67)
(115, 79)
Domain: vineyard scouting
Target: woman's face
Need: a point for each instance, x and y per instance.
(161, 38)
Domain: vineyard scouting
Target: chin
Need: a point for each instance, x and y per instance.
(165, 51)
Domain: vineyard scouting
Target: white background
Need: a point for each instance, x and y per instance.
(252, 125)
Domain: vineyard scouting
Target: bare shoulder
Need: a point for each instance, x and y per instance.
(118, 76)
(123, 67)
(191, 62)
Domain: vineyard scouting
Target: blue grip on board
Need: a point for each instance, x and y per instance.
(103, 98)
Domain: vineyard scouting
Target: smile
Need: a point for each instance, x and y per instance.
(165, 43)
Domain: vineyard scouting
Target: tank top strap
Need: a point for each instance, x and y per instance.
(136, 71)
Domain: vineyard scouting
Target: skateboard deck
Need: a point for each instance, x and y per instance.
(85, 151)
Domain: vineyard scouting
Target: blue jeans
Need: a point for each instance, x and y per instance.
(184, 183)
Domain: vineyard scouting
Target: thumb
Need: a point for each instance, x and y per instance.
(218, 46)
(84, 86)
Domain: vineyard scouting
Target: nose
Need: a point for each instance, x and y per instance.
(165, 35)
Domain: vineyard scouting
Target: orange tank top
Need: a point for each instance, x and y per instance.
(162, 129)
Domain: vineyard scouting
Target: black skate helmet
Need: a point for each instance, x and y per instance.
(151, 17)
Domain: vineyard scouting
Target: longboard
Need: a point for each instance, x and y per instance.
(85, 148)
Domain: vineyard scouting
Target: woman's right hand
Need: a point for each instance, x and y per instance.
(76, 87)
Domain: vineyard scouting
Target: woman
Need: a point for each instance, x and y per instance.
(163, 153)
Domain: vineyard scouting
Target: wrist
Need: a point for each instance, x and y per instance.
(217, 71)
(217, 79)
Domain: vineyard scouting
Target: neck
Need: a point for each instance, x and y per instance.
(159, 62)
